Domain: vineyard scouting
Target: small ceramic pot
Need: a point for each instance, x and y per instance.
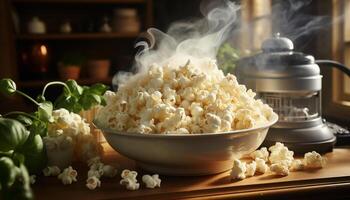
(69, 72)
(98, 69)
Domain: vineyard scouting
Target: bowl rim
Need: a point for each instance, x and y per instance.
(273, 120)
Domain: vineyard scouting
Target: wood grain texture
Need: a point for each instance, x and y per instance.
(334, 179)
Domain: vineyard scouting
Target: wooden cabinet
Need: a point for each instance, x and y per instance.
(85, 17)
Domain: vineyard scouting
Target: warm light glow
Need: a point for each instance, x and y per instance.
(43, 50)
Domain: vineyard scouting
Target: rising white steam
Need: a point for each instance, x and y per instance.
(186, 40)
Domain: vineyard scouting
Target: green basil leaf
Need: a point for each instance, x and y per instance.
(7, 86)
(45, 111)
(7, 174)
(21, 187)
(98, 89)
(89, 100)
(26, 121)
(34, 153)
(73, 86)
(12, 134)
(68, 102)
(38, 128)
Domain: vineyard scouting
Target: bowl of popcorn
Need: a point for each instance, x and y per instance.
(187, 119)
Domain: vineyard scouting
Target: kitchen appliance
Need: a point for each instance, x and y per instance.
(290, 82)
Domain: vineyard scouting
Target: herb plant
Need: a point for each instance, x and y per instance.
(21, 146)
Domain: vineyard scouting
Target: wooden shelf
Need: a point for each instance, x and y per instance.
(79, 1)
(77, 36)
(83, 81)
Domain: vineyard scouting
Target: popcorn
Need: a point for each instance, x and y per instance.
(94, 173)
(262, 154)
(68, 176)
(93, 182)
(314, 160)
(279, 153)
(129, 179)
(280, 168)
(297, 165)
(151, 181)
(51, 171)
(238, 170)
(250, 169)
(169, 98)
(261, 166)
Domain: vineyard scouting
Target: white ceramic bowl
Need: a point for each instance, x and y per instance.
(190, 154)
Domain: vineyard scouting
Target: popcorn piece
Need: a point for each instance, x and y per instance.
(129, 174)
(279, 153)
(250, 169)
(129, 179)
(94, 173)
(261, 166)
(68, 176)
(93, 182)
(314, 160)
(238, 170)
(130, 184)
(51, 171)
(297, 165)
(94, 160)
(109, 171)
(263, 153)
(280, 168)
(151, 181)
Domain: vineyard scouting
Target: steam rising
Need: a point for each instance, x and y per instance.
(293, 23)
(186, 40)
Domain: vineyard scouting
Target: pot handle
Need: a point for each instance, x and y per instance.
(335, 64)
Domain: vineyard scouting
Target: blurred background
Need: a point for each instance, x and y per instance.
(91, 40)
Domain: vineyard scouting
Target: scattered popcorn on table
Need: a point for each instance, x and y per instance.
(93, 182)
(51, 171)
(314, 160)
(32, 179)
(173, 99)
(279, 153)
(94, 173)
(297, 165)
(93, 160)
(129, 179)
(280, 168)
(68, 176)
(261, 166)
(238, 170)
(151, 181)
(250, 169)
(262, 153)
(130, 184)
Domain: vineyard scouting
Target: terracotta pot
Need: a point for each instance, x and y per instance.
(69, 72)
(98, 69)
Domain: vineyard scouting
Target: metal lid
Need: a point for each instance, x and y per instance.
(278, 60)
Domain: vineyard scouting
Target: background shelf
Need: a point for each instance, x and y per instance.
(77, 36)
(80, 1)
(83, 81)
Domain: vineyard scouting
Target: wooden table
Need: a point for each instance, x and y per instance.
(331, 182)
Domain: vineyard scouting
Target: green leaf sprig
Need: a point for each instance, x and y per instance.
(21, 144)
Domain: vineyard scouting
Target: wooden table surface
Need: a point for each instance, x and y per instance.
(331, 182)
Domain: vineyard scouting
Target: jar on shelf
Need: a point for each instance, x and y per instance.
(36, 26)
(126, 20)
